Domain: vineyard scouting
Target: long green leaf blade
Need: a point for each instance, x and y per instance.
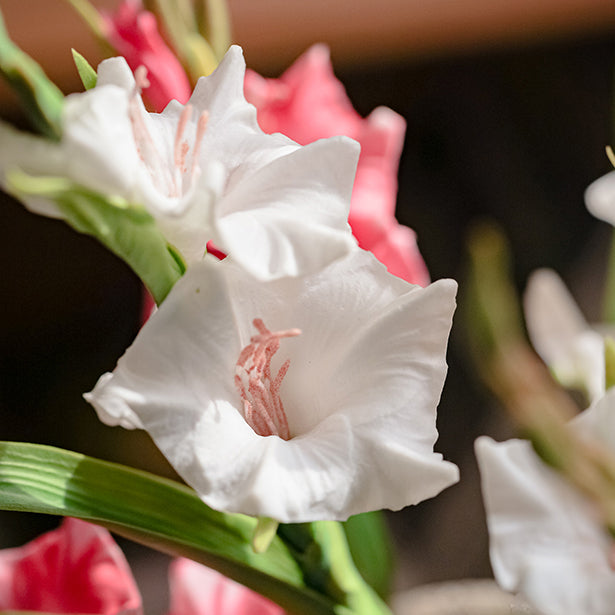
(41, 98)
(156, 512)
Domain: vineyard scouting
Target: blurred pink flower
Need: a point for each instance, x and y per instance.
(133, 32)
(191, 582)
(308, 103)
(77, 568)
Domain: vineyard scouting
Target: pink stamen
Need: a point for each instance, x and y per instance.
(262, 405)
(201, 127)
(180, 148)
(141, 80)
(168, 179)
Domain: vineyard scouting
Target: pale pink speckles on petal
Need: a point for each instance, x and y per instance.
(77, 568)
(198, 590)
(308, 103)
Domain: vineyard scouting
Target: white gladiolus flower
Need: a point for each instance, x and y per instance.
(572, 349)
(546, 540)
(204, 170)
(298, 399)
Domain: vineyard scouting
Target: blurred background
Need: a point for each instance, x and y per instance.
(509, 106)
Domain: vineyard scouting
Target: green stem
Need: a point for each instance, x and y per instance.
(608, 309)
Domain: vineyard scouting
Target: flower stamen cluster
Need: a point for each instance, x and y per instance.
(149, 153)
(262, 405)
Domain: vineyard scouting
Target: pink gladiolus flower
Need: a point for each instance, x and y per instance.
(198, 590)
(133, 32)
(308, 103)
(77, 568)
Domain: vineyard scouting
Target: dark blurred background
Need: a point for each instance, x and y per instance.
(512, 132)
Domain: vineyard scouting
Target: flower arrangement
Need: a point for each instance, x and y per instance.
(293, 360)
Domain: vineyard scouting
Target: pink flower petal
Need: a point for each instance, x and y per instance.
(133, 32)
(198, 590)
(77, 568)
(308, 103)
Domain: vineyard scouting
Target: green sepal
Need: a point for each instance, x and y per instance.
(87, 74)
(609, 362)
(127, 230)
(42, 100)
(307, 571)
(180, 22)
(215, 25)
(608, 299)
(370, 545)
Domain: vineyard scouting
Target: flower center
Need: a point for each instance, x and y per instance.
(168, 179)
(262, 405)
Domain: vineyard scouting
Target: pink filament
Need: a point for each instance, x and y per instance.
(262, 405)
(168, 181)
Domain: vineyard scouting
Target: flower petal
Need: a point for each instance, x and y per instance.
(198, 590)
(308, 103)
(33, 155)
(98, 143)
(600, 198)
(77, 568)
(134, 34)
(293, 226)
(561, 335)
(546, 540)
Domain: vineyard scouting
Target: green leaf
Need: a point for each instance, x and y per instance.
(170, 517)
(322, 552)
(41, 98)
(87, 74)
(371, 549)
(128, 231)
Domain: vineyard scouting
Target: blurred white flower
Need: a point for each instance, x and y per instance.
(204, 170)
(298, 399)
(546, 540)
(572, 349)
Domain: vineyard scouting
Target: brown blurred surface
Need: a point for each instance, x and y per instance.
(274, 32)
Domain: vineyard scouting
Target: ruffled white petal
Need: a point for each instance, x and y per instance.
(600, 198)
(360, 395)
(546, 540)
(115, 71)
(98, 143)
(295, 225)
